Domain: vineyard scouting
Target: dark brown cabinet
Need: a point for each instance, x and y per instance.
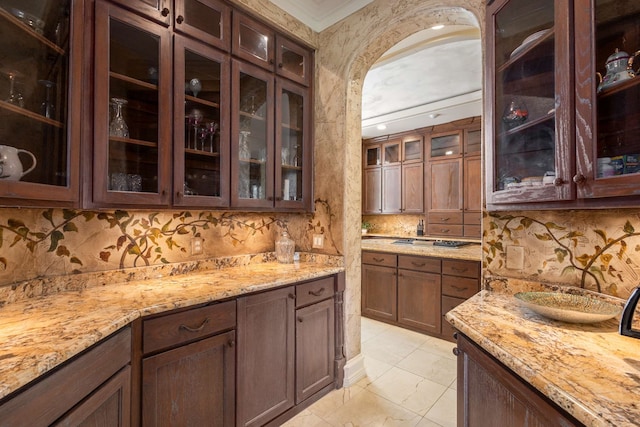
(39, 107)
(379, 286)
(372, 196)
(91, 390)
(266, 356)
(460, 281)
(188, 368)
(489, 394)
(419, 286)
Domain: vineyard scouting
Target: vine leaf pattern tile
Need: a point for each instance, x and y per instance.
(596, 252)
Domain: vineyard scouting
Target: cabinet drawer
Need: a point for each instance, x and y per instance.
(317, 290)
(378, 258)
(444, 230)
(461, 287)
(186, 326)
(445, 217)
(472, 218)
(461, 268)
(419, 263)
(472, 231)
(448, 304)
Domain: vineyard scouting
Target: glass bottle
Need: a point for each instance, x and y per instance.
(118, 127)
(285, 247)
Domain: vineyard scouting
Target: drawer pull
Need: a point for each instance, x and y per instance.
(460, 270)
(444, 230)
(459, 288)
(445, 219)
(198, 329)
(292, 296)
(317, 293)
(231, 343)
(378, 259)
(418, 264)
(299, 319)
(456, 351)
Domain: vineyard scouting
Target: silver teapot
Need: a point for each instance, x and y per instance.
(11, 168)
(619, 68)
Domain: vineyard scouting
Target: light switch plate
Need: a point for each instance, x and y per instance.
(196, 245)
(515, 257)
(318, 241)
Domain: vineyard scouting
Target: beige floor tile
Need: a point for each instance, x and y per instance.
(408, 390)
(368, 409)
(440, 347)
(371, 328)
(374, 369)
(444, 411)
(326, 406)
(425, 422)
(306, 418)
(434, 367)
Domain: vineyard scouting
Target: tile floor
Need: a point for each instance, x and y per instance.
(410, 381)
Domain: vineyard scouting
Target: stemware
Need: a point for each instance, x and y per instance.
(195, 86)
(212, 128)
(195, 118)
(118, 126)
(47, 108)
(15, 97)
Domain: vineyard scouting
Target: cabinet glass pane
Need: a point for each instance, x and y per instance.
(254, 42)
(133, 122)
(373, 156)
(391, 153)
(292, 61)
(252, 145)
(447, 145)
(203, 17)
(525, 93)
(292, 131)
(472, 142)
(617, 109)
(201, 125)
(34, 41)
(413, 150)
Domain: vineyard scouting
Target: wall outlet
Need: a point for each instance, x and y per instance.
(318, 241)
(196, 245)
(515, 257)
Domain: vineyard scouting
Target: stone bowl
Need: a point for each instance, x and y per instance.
(569, 308)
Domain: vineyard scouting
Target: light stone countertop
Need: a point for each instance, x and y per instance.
(591, 371)
(37, 334)
(471, 252)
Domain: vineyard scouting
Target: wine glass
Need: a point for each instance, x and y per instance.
(15, 97)
(195, 118)
(47, 108)
(118, 126)
(195, 86)
(212, 128)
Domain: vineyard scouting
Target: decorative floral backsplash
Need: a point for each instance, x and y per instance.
(597, 250)
(36, 243)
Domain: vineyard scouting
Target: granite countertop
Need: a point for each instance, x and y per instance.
(591, 371)
(37, 334)
(423, 247)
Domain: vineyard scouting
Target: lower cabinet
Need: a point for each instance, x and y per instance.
(416, 292)
(489, 394)
(90, 390)
(188, 368)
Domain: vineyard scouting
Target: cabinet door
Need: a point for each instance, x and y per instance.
(419, 300)
(253, 41)
(293, 153)
(529, 98)
(208, 21)
(158, 10)
(293, 61)
(491, 395)
(132, 125)
(413, 188)
(191, 385)
(472, 184)
(608, 119)
(201, 125)
(372, 197)
(109, 405)
(39, 110)
(266, 349)
(379, 292)
(391, 189)
(315, 348)
(444, 189)
(392, 152)
(412, 148)
(372, 156)
(252, 124)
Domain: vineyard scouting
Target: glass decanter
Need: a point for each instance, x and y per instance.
(285, 247)
(118, 127)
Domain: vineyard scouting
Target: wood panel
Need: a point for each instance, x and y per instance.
(419, 300)
(372, 197)
(391, 182)
(379, 292)
(413, 188)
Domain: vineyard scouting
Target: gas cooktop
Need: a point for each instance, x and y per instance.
(450, 243)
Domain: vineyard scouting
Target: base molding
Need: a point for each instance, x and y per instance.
(354, 370)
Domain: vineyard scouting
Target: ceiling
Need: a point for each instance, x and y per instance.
(431, 77)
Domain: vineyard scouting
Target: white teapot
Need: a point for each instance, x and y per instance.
(10, 165)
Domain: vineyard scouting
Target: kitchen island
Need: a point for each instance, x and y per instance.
(589, 371)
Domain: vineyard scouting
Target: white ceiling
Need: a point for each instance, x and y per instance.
(431, 77)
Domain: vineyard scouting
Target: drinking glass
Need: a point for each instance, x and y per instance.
(47, 108)
(118, 127)
(15, 97)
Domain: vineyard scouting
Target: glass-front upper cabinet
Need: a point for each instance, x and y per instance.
(206, 20)
(293, 157)
(253, 41)
(608, 90)
(201, 125)
(39, 155)
(252, 137)
(132, 125)
(529, 81)
(293, 61)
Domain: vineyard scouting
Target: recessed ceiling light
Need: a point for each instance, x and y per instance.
(437, 27)
(382, 127)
